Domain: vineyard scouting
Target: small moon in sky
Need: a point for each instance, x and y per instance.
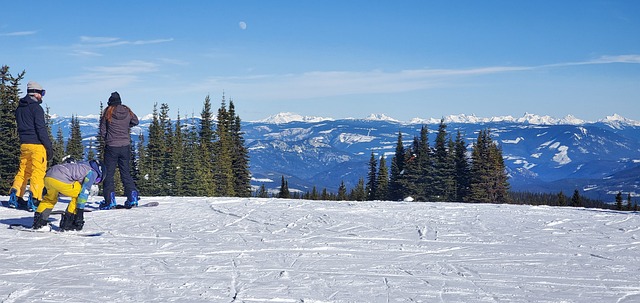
(243, 25)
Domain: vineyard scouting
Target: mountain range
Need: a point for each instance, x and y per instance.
(541, 153)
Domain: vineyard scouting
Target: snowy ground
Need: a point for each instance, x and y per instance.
(271, 250)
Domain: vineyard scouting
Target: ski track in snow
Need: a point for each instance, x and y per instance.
(275, 250)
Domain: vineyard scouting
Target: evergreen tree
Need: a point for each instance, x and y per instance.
(629, 206)
(223, 169)
(325, 195)
(342, 192)
(167, 169)
(9, 144)
(154, 158)
(58, 148)
(177, 159)
(284, 190)
(101, 143)
(240, 156)
(576, 200)
(488, 182)
(74, 144)
(314, 194)
(462, 170)
(91, 154)
(49, 123)
(619, 201)
(206, 154)
(193, 171)
(382, 181)
(411, 181)
(562, 199)
(418, 169)
(443, 167)
(397, 171)
(370, 188)
(262, 192)
(358, 193)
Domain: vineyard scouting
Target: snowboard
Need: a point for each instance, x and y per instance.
(49, 230)
(119, 206)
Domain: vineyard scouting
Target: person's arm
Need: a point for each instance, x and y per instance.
(87, 182)
(41, 130)
(134, 119)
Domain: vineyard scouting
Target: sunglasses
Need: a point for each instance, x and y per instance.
(41, 92)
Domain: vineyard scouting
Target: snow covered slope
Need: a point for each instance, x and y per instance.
(272, 250)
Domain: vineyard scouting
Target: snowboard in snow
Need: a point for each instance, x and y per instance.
(119, 206)
(148, 204)
(49, 230)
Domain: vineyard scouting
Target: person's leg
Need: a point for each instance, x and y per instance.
(108, 189)
(41, 215)
(20, 179)
(39, 168)
(69, 216)
(124, 166)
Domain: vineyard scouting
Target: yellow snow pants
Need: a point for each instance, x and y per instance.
(56, 187)
(33, 165)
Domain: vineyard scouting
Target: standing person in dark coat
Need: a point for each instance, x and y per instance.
(35, 149)
(117, 120)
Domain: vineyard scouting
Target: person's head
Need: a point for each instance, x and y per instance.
(34, 89)
(98, 168)
(114, 99)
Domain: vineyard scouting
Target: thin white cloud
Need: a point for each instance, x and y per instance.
(317, 84)
(129, 68)
(22, 33)
(100, 42)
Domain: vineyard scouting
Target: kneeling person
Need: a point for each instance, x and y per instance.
(73, 180)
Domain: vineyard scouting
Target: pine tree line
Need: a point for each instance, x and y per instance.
(208, 159)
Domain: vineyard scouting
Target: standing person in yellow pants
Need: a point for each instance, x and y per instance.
(73, 180)
(35, 148)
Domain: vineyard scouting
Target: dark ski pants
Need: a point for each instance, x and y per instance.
(120, 156)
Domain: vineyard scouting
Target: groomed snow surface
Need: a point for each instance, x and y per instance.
(274, 250)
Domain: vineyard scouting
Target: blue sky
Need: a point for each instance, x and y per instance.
(339, 59)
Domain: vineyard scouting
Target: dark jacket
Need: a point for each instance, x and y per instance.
(32, 128)
(115, 129)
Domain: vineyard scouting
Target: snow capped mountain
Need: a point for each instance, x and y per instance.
(380, 117)
(617, 121)
(542, 154)
(282, 118)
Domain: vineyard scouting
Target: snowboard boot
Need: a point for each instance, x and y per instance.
(66, 223)
(132, 201)
(78, 220)
(40, 219)
(22, 204)
(109, 203)
(13, 198)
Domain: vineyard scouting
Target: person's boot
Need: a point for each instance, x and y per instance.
(66, 223)
(39, 221)
(13, 198)
(132, 201)
(78, 220)
(109, 203)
